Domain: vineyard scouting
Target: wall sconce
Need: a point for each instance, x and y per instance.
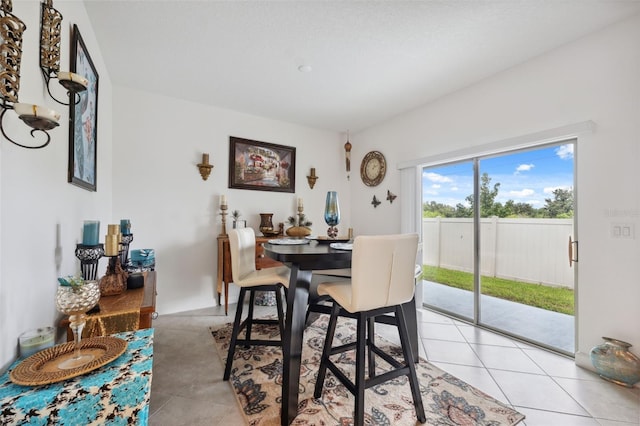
(347, 155)
(50, 23)
(205, 167)
(37, 117)
(312, 178)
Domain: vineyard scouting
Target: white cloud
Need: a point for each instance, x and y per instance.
(436, 186)
(550, 189)
(522, 193)
(435, 177)
(565, 152)
(524, 168)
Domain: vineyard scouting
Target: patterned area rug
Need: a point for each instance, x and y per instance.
(256, 377)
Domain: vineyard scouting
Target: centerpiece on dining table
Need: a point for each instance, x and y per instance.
(300, 226)
(332, 214)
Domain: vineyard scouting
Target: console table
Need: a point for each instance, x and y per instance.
(224, 265)
(116, 393)
(128, 311)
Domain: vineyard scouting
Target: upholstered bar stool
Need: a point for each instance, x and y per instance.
(382, 279)
(242, 247)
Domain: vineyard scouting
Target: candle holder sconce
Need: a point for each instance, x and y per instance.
(312, 178)
(205, 167)
(50, 23)
(124, 249)
(89, 256)
(37, 117)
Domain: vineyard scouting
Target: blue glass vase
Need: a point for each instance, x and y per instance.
(332, 213)
(615, 362)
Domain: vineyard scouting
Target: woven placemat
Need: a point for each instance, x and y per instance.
(42, 368)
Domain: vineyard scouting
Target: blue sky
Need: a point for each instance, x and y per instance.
(524, 177)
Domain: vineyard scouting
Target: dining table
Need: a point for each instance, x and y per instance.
(303, 258)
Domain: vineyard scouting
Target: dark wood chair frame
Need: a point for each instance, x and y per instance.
(365, 341)
(239, 325)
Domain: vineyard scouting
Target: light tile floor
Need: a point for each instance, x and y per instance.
(187, 386)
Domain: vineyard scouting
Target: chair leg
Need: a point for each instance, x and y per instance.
(234, 334)
(324, 359)
(280, 312)
(371, 341)
(249, 321)
(358, 418)
(408, 358)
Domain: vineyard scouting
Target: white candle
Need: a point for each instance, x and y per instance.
(76, 78)
(36, 111)
(300, 202)
(223, 200)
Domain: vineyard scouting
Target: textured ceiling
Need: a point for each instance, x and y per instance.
(370, 60)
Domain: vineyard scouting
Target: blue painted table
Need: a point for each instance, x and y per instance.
(117, 393)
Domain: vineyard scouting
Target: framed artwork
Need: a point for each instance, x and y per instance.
(83, 119)
(261, 166)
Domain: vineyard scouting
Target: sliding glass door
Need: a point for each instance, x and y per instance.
(496, 231)
(448, 238)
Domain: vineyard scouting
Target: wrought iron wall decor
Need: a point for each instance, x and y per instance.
(50, 35)
(11, 30)
(37, 117)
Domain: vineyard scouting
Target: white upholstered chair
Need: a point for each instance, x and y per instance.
(382, 279)
(242, 246)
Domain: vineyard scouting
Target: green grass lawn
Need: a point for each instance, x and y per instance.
(550, 298)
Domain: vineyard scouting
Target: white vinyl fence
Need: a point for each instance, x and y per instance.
(528, 250)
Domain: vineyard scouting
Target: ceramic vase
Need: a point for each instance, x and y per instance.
(115, 280)
(266, 224)
(614, 362)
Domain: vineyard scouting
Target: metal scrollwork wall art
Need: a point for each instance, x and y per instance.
(50, 35)
(37, 117)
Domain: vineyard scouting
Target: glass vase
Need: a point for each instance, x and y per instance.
(332, 213)
(75, 302)
(615, 362)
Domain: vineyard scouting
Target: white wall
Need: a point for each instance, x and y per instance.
(41, 214)
(596, 78)
(159, 141)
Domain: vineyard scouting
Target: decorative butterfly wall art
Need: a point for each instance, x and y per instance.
(375, 202)
(391, 196)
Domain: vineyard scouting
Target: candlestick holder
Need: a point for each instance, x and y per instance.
(124, 250)
(89, 256)
(223, 213)
(115, 280)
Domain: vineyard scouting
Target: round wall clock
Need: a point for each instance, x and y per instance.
(373, 168)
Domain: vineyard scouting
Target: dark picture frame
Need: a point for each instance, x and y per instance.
(261, 166)
(83, 119)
